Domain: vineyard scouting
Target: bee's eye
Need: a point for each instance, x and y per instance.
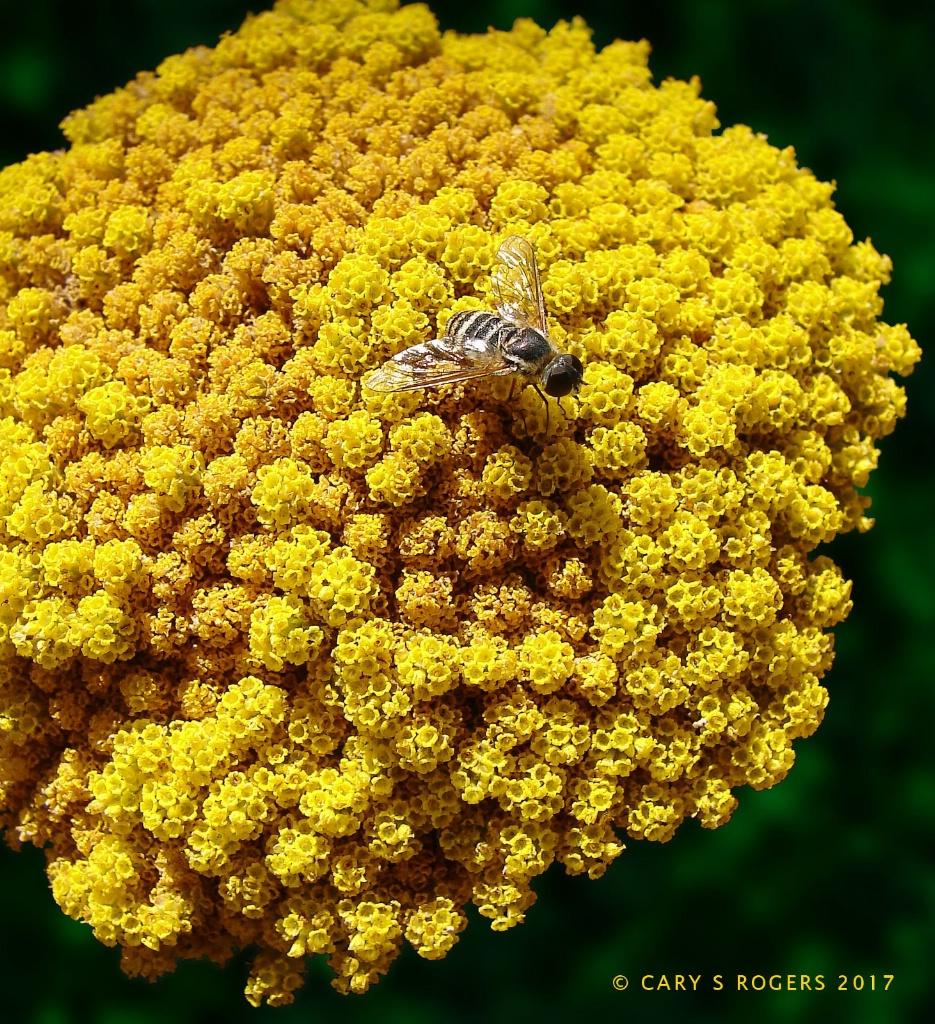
(559, 384)
(563, 376)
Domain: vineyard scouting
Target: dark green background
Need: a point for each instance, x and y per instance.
(829, 873)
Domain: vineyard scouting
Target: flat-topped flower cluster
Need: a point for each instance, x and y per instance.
(286, 662)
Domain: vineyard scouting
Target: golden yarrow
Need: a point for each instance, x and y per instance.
(290, 663)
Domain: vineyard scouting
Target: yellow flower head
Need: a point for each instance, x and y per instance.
(287, 662)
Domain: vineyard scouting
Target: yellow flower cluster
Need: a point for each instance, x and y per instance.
(289, 663)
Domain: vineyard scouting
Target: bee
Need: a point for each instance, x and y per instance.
(513, 342)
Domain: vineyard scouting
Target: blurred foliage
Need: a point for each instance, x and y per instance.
(831, 872)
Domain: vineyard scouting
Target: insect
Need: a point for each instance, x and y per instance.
(513, 342)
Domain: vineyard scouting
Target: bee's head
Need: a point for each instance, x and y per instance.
(563, 376)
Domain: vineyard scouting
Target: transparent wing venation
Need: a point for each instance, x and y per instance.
(440, 361)
(516, 286)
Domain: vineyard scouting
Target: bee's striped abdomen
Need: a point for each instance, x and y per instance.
(474, 323)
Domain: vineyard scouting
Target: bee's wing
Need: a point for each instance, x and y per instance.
(516, 287)
(440, 361)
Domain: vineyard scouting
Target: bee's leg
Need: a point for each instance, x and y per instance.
(546, 401)
(509, 402)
